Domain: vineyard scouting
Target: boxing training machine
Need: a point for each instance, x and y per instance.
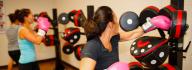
(176, 53)
(71, 34)
(151, 52)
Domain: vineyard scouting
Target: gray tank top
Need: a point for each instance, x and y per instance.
(11, 34)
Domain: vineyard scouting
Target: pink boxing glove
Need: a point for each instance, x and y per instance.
(119, 66)
(160, 21)
(43, 25)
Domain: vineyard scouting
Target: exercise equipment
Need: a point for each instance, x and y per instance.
(179, 26)
(90, 11)
(178, 4)
(150, 51)
(129, 21)
(44, 14)
(71, 15)
(177, 33)
(167, 67)
(167, 11)
(71, 34)
(36, 17)
(58, 61)
(67, 48)
(79, 18)
(176, 53)
(63, 18)
(49, 40)
(119, 66)
(77, 51)
(148, 12)
(161, 22)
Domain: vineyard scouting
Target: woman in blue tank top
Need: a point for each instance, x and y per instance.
(27, 38)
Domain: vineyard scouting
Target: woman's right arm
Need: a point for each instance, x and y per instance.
(126, 36)
(87, 64)
(29, 35)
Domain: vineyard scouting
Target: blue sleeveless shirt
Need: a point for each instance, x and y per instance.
(27, 50)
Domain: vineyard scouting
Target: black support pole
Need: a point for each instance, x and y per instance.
(178, 4)
(90, 11)
(176, 53)
(58, 64)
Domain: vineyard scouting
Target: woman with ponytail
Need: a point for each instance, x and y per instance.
(27, 38)
(101, 49)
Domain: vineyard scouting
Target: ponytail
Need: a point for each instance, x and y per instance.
(12, 17)
(21, 14)
(96, 26)
(90, 28)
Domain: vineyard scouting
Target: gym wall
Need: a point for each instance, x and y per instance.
(119, 7)
(36, 6)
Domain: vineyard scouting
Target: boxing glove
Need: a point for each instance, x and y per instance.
(119, 66)
(135, 66)
(161, 22)
(43, 25)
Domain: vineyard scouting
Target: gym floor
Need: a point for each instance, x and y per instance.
(45, 65)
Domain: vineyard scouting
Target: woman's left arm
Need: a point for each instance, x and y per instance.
(126, 36)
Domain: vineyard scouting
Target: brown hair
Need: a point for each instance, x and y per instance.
(12, 17)
(21, 14)
(96, 26)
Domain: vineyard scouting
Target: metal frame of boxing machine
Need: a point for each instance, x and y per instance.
(176, 56)
(58, 63)
(176, 51)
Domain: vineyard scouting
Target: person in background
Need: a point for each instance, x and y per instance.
(13, 47)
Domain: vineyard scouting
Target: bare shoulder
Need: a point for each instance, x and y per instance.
(23, 31)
